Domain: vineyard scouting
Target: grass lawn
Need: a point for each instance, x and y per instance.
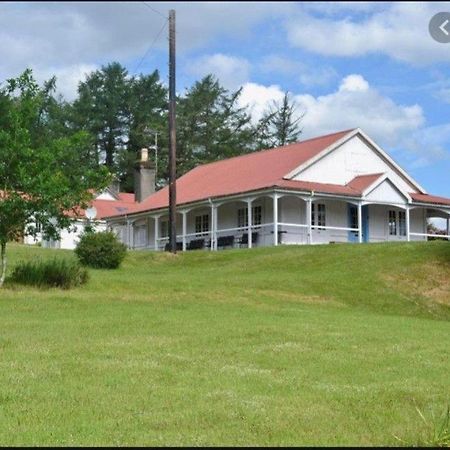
(324, 345)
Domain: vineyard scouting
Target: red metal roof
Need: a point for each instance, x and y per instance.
(325, 188)
(107, 208)
(256, 171)
(126, 197)
(426, 198)
(240, 174)
(362, 182)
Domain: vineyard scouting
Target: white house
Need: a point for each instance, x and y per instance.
(104, 204)
(337, 188)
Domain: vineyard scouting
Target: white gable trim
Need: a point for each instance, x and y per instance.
(344, 139)
(380, 181)
(109, 192)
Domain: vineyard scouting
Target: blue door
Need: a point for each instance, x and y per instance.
(365, 223)
(352, 223)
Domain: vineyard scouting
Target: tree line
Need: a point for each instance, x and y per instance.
(121, 114)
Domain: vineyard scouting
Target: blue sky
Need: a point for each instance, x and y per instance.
(367, 64)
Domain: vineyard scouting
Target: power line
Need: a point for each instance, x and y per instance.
(151, 46)
(154, 10)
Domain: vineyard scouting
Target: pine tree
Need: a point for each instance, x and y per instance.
(280, 124)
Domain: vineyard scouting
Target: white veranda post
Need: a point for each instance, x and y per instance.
(360, 237)
(213, 227)
(249, 227)
(448, 228)
(309, 219)
(408, 238)
(130, 234)
(184, 214)
(156, 232)
(275, 219)
(216, 226)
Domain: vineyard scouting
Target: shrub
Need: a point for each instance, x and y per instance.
(100, 250)
(54, 272)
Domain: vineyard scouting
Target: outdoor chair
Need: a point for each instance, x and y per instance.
(196, 244)
(244, 239)
(225, 241)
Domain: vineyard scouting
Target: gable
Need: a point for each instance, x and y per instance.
(105, 195)
(386, 192)
(353, 158)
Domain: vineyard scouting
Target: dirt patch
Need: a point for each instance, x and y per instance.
(430, 281)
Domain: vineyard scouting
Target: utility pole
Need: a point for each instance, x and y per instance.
(156, 156)
(172, 138)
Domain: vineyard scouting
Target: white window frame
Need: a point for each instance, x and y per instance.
(164, 229)
(396, 223)
(242, 216)
(201, 223)
(321, 215)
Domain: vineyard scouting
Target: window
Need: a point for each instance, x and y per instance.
(202, 223)
(402, 223)
(164, 228)
(318, 215)
(243, 216)
(392, 223)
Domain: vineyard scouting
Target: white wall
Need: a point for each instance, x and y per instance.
(69, 240)
(351, 159)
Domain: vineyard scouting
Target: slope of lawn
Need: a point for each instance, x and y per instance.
(325, 345)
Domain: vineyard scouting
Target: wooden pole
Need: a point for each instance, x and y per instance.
(172, 137)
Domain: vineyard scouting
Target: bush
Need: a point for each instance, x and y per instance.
(100, 250)
(54, 272)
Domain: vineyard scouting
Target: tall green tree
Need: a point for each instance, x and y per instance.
(102, 110)
(122, 114)
(148, 116)
(210, 125)
(44, 173)
(280, 124)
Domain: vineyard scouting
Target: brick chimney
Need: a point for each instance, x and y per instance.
(144, 176)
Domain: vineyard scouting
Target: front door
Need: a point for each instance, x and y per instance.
(365, 223)
(352, 223)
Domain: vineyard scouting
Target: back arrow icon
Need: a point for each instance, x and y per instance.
(442, 27)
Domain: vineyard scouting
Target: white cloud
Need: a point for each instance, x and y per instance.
(357, 104)
(354, 83)
(67, 78)
(230, 70)
(399, 30)
(429, 145)
(57, 33)
(258, 97)
(70, 35)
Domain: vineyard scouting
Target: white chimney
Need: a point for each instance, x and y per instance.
(144, 176)
(144, 154)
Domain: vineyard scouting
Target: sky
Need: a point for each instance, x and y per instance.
(371, 65)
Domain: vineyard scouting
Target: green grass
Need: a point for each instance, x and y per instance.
(325, 345)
